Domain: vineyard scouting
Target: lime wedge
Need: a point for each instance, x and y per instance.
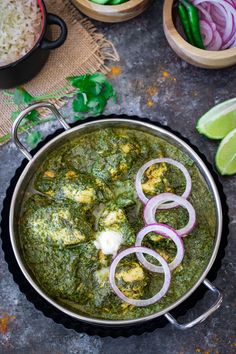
(226, 154)
(219, 121)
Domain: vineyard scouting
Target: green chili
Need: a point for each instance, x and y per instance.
(194, 23)
(185, 23)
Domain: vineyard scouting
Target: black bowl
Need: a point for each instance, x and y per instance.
(30, 64)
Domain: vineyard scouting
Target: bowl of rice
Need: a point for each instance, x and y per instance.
(25, 40)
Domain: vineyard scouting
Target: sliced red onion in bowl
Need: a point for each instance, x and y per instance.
(232, 2)
(229, 44)
(204, 14)
(154, 204)
(234, 44)
(138, 180)
(207, 32)
(220, 14)
(164, 231)
(216, 42)
(134, 302)
(228, 13)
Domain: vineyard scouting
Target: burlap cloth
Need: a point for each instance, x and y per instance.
(84, 50)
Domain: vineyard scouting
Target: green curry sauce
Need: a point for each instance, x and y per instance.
(87, 186)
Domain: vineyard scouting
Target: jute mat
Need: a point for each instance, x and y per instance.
(84, 50)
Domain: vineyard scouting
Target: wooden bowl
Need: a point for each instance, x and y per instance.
(112, 13)
(195, 56)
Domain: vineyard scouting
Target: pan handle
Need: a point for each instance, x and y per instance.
(204, 316)
(21, 116)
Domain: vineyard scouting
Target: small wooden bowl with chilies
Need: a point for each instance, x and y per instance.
(195, 56)
(112, 13)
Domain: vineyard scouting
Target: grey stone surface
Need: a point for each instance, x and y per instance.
(153, 83)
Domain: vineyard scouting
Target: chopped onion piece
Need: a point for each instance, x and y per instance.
(152, 253)
(164, 231)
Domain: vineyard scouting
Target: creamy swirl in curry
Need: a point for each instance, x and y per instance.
(85, 209)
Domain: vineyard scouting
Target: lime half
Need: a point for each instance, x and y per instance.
(219, 121)
(226, 154)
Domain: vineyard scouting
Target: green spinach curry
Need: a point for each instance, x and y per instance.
(85, 188)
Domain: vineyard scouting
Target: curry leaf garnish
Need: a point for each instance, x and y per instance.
(93, 92)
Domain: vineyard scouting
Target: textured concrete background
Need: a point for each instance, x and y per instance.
(153, 83)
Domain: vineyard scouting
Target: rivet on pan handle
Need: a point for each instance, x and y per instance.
(204, 316)
(21, 116)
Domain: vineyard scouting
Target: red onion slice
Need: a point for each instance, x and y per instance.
(216, 42)
(221, 16)
(204, 14)
(206, 31)
(227, 10)
(217, 16)
(138, 180)
(229, 44)
(164, 231)
(152, 253)
(154, 204)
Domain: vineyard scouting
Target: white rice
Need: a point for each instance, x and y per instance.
(20, 27)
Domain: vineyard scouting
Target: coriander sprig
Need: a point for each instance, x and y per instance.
(92, 94)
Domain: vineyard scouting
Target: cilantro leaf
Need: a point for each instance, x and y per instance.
(84, 84)
(76, 118)
(98, 77)
(93, 92)
(14, 115)
(21, 96)
(90, 87)
(33, 116)
(75, 81)
(79, 103)
(97, 104)
(108, 90)
(34, 138)
(95, 88)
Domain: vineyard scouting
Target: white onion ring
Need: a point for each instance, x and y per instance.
(165, 231)
(138, 180)
(152, 253)
(155, 202)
